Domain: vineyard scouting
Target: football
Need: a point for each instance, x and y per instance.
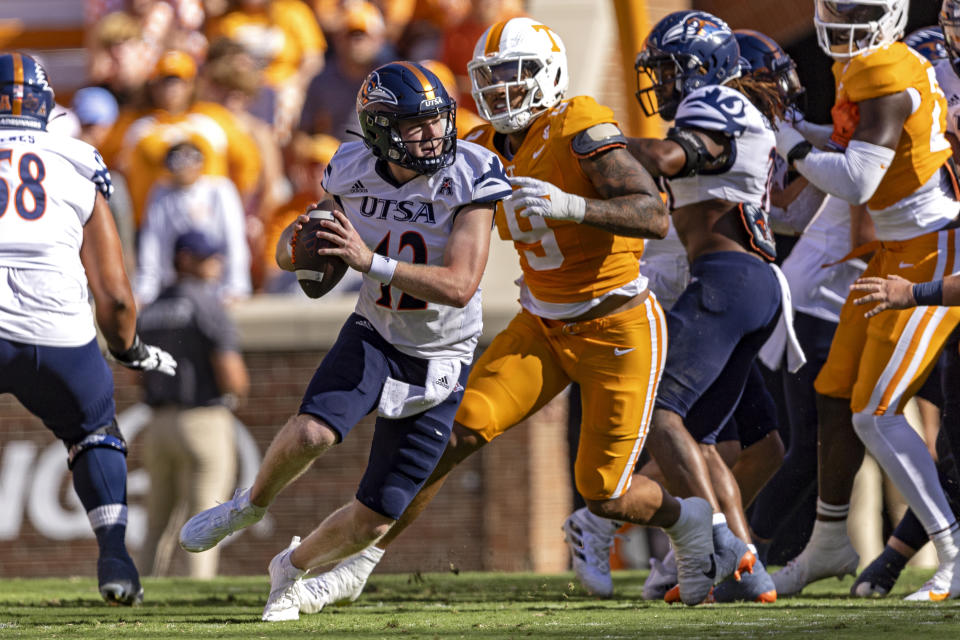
(316, 274)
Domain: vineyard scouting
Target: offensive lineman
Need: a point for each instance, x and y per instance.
(57, 236)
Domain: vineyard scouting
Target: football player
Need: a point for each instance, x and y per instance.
(889, 122)
(894, 292)
(57, 238)
(577, 221)
(716, 161)
(413, 210)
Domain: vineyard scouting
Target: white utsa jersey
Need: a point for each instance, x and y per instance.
(746, 180)
(950, 85)
(47, 195)
(412, 222)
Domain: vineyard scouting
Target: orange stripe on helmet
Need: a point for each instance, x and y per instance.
(493, 38)
(428, 88)
(17, 80)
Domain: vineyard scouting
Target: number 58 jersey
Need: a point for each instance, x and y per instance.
(47, 195)
(412, 222)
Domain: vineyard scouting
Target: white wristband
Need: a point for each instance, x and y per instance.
(382, 268)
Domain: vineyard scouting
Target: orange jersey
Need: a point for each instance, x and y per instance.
(227, 149)
(922, 148)
(562, 262)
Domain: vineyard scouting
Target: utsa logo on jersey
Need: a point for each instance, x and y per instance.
(399, 210)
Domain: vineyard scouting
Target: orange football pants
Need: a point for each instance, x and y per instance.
(880, 363)
(617, 361)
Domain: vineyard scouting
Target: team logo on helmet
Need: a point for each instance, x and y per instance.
(375, 93)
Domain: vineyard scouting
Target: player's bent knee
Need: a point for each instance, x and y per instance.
(311, 434)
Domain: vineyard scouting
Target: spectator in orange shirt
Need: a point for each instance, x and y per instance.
(284, 36)
(177, 116)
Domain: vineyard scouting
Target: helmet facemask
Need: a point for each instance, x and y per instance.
(848, 29)
(508, 91)
(665, 78)
(383, 132)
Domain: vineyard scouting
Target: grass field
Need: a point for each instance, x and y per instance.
(468, 605)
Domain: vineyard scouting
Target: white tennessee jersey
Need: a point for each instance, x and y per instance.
(47, 195)
(412, 223)
(746, 178)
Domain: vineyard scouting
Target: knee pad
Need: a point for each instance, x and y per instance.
(108, 437)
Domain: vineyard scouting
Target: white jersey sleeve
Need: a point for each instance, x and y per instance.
(412, 222)
(47, 194)
(950, 85)
(747, 173)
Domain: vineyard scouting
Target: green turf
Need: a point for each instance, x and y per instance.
(469, 605)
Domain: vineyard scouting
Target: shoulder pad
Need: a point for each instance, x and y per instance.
(714, 108)
(881, 73)
(596, 139)
(580, 113)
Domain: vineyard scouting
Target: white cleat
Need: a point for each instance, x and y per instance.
(343, 583)
(590, 539)
(662, 577)
(696, 560)
(284, 600)
(206, 529)
(816, 563)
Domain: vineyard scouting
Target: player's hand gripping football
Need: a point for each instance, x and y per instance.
(145, 357)
(538, 198)
(892, 292)
(349, 245)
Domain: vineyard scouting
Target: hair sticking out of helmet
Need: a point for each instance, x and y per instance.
(768, 62)
(928, 42)
(685, 51)
(518, 72)
(26, 97)
(408, 118)
(848, 29)
(949, 20)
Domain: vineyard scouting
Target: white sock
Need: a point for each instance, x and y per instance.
(828, 533)
(902, 454)
(289, 570)
(719, 518)
(945, 543)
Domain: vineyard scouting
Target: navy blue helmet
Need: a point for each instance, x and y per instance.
(768, 61)
(403, 91)
(685, 51)
(928, 42)
(26, 98)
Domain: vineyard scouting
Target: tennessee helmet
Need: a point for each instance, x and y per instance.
(518, 71)
(26, 97)
(402, 91)
(950, 23)
(928, 42)
(768, 61)
(848, 29)
(685, 51)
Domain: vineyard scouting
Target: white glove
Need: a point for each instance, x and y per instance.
(787, 138)
(539, 198)
(145, 357)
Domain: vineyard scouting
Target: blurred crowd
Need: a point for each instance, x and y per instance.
(220, 116)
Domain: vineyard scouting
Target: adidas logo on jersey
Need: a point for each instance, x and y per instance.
(443, 382)
(358, 187)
